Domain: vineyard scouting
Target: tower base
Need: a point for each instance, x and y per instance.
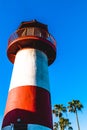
(25, 127)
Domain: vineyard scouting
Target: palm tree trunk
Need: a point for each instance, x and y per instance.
(77, 120)
(59, 124)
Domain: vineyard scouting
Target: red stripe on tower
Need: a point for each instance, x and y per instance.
(31, 48)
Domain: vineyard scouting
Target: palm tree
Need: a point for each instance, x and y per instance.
(64, 123)
(74, 106)
(58, 111)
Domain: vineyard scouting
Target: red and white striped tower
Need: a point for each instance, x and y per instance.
(31, 49)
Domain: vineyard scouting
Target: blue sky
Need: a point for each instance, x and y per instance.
(67, 22)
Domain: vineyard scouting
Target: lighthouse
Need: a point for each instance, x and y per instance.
(31, 48)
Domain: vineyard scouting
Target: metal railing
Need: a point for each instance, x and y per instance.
(32, 31)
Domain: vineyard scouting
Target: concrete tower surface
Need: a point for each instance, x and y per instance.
(31, 49)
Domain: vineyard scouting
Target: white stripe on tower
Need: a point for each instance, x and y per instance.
(30, 68)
